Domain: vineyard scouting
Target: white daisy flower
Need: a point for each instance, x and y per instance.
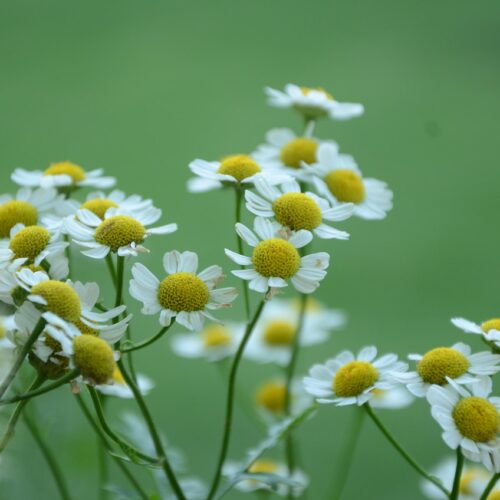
(120, 232)
(489, 329)
(63, 175)
(348, 379)
(275, 259)
(214, 343)
(7, 327)
(395, 398)
(274, 332)
(469, 419)
(119, 388)
(270, 472)
(27, 207)
(313, 103)
(455, 362)
(296, 210)
(239, 170)
(339, 179)
(183, 294)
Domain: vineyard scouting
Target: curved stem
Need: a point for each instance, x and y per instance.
(455, 491)
(228, 421)
(22, 356)
(49, 457)
(244, 284)
(489, 487)
(35, 391)
(402, 452)
(145, 343)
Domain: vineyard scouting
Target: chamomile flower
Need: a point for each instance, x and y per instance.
(62, 175)
(275, 258)
(214, 343)
(469, 419)
(118, 387)
(26, 208)
(237, 170)
(395, 398)
(184, 294)
(120, 232)
(489, 329)
(339, 179)
(313, 103)
(438, 365)
(275, 331)
(296, 210)
(348, 379)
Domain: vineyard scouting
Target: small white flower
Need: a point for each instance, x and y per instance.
(120, 232)
(214, 343)
(275, 259)
(62, 175)
(118, 387)
(395, 398)
(183, 294)
(296, 210)
(489, 329)
(469, 419)
(235, 170)
(339, 179)
(313, 103)
(455, 362)
(346, 379)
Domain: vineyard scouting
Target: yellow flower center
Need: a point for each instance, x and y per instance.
(263, 467)
(346, 185)
(279, 333)
(354, 378)
(216, 336)
(29, 242)
(119, 231)
(61, 299)
(3, 330)
(183, 292)
(99, 206)
(440, 363)
(491, 324)
(476, 418)
(94, 358)
(76, 172)
(16, 212)
(276, 258)
(495, 495)
(307, 90)
(118, 377)
(468, 476)
(299, 150)
(271, 396)
(84, 329)
(297, 211)
(238, 166)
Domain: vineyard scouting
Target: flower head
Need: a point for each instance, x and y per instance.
(489, 329)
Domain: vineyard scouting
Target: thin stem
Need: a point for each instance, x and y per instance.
(120, 264)
(42, 390)
(22, 356)
(107, 447)
(244, 284)
(48, 456)
(490, 486)
(228, 421)
(160, 451)
(145, 343)
(69, 256)
(455, 491)
(102, 462)
(111, 268)
(402, 452)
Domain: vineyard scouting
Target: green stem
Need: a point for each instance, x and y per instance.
(42, 390)
(108, 448)
(111, 268)
(455, 491)
(244, 284)
(69, 255)
(490, 486)
(120, 264)
(402, 452)
(102, 463)
(22, 356)
(49, 457)
(145, 343)
(228, 421)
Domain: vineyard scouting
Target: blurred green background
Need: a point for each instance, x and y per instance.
(141, 88)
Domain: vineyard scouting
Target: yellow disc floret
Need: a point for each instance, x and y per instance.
(495, 495)
(491, 324)
(216, 336)
(94, 358)
(118, 376)
(16, 212)
(297, 211)
(85, 329)
(3, 330)
(29, 242)
(476, 418)
(301, 149)
(440, 363)
(61, 299)
(279, 333)
(346, 185)
(99, 206)
(271, 396)
(263, 466)
(308, 90)
(354, 378)
(276, 258)
(238, 166)
(183, 292)
(76, 172)
(119, 231)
